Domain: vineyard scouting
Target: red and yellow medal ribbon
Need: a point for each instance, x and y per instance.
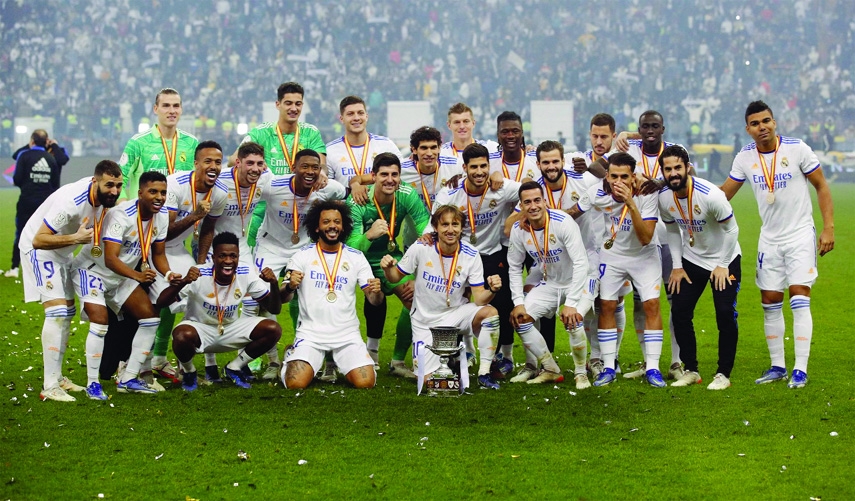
(655, 163)
(360, 167)
(193, 197)
(221, 310)
(519, 171)
(243, 210)
(469, 211)
(425, 192)
(449, 279)
(289, 158)
(769, 172)
(690, 188)
(552, 203)
(620, 222)
(331, 275)
(145, 236)
(170, 157)
(545, 251)
(96, 221)
(392, 217)
(295, 216)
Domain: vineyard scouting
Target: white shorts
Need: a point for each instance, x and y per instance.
(266, 256)
(791, 263)
(460, 317)
(111, 291)
(348, 355)
(180, 261)
(235, 336)
(544, 301)
(643, 270)
(46, 280)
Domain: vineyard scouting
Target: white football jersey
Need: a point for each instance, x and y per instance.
(231, 219)
(448, 150)
(203, 295)
(490, 212)
(320, 320)
(652, 161)
(568, 195)
(527, 167)
(120, 226)
(710, 210)
(63, 212)
(626, 242)
(432, 271)
(278, 224)
(429, 184)
(792, 212)
(342, 167)
(179, 199)
(562, 256)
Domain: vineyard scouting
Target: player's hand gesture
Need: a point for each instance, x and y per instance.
(191, 276)
(518, 316)
(407, 292)
(647, 185)
(373, 286)
(268, 276)
(83, 235)
(427, 239)
(377, 230)
(720, 278)
(497, 180)
(623, 192)
(295, 278)
(358, 193)
(147, 276)
(323, 177)
(454, 182)
(826, 241)
(494, 283)
(570, 318)
(388, 262)
(622, 142)
(579, 165)
(202, 209)
(677, 276)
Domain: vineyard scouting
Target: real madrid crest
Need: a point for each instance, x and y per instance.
(574, 196)
(493, 204)
(697, 209)
(238, 294)
(785, 162)
(345, 266)
(530, 173)
(49, 285)
(459, 269)
(552, 238)
(154, 230)
(287, 276)
(183, 157)
(442, 182)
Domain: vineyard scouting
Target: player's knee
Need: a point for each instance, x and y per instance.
(362, 377)
(269, 330)
(651, 308)
(298, 375)
(607, 307)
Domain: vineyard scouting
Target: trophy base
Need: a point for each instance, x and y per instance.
(443, 386)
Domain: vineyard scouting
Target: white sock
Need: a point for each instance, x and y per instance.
(591, 333)
(773, 325)
(469, 343)
(508, 352)
(210, 359)
(579, 349)
(239, 361)
(488, 339)
(158, 360)
(531, 358)
(52, 345)
(802, 330)
(620, 321)
(533, 341)
(373, 346)
(652, 348)
(94, 350)
(70, 311)
(273, 355)
(188, 366)
(141, 347)
(608, 346)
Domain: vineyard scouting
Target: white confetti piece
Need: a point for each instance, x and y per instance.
(633, 430)
(225, 430)
(302, 462)
(381, 433)
(741, 455)
(424, 439)
(100, 495)
(427, 423)
(47, 444)
(784, 467)
(746, 423)
(792, 437)
(235, 484)
(28, 369)
(833, 433)
(158, 456)
(14, 333)
(572, 393)
(546, 400)
(111, 405)
(371, 476)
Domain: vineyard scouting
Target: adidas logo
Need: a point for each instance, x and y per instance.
(155, 157)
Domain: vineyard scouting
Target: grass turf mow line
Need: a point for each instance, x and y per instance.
(548, 441)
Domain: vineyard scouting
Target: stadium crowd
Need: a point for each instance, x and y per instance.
(90, 65)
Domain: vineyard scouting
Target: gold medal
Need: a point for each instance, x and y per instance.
(243, 232)
(144, 267)
(221, 329)
(448, 302)
(96, 251)
(770, 198)
(391, 246)
(196, 234)
(473, 239)
(295, 239)
(609, 243)
(331, 297)
(691, 240)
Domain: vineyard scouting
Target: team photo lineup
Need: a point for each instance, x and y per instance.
(182, 248)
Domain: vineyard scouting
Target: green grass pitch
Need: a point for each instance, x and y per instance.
(548, 442)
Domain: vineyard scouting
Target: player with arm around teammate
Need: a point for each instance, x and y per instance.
(709, 252)
(441, 272)
(327, 273)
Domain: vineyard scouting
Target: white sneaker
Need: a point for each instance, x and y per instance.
(13, 273)
(56, 393)
(687, 379)
(524, 374)
(582, 382)
(67, 385)
(120, 370)
(637, 373)
(719, 382)
(596, 368)
(676, 371)
(546, 376)
(328, 375)
(399, 369)
(148, 377)
(271, 373)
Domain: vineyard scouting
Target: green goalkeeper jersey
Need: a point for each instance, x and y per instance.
(407, 203)
(265, 135)
(145, 152)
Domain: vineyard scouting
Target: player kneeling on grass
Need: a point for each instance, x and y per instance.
(327, 273)
(442, 271)
(211, 323)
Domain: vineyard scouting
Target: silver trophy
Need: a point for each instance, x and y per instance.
(444, 382)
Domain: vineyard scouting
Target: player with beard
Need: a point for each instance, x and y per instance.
(441, 273)
(461, 122)
(211, 323)
(327, 275)
(134, 231)
(194, 200)
(71, 216)
(709, 253)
